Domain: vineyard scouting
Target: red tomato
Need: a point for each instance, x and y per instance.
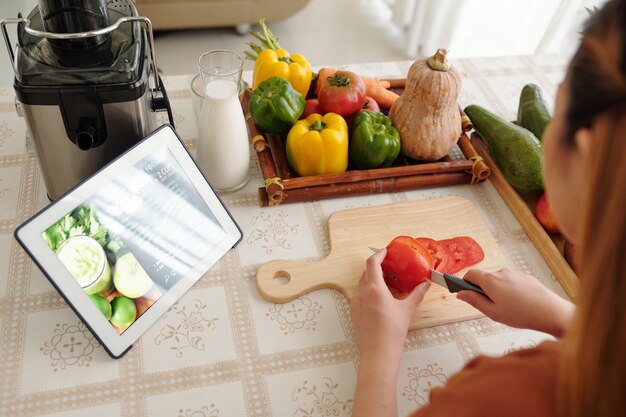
(370, 104)
(459, 255)
(311, 106)
(407, 263)
(342, 93)
(441, 256)
(544, 214)
(475, 253)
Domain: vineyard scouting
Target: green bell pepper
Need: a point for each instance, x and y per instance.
(374, 143)
(275, 106)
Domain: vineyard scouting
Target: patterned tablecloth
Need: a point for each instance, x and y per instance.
(222, 350)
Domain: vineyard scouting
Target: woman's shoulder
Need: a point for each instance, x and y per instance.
(543, 354)
(521, 383)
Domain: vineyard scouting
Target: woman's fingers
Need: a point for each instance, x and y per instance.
(377, 257)
(476, 276)
(477, 301)
(374, 271)
(417, 295)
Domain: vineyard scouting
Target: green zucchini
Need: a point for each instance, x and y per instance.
(516, 151)
(533, 113)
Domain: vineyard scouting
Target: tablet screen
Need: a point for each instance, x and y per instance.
(134, 238)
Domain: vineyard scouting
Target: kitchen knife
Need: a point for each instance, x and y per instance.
(455, 284)
(451, 282)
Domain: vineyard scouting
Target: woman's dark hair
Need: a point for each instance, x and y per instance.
(597, 71)
(593, 366)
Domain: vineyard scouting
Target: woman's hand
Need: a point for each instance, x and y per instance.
(518, 300)
(380, 320)
(381, 323)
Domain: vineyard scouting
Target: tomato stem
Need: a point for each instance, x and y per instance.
(338, 80)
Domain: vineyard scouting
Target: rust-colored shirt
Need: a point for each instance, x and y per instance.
(520, 384)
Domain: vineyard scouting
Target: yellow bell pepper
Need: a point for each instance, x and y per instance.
(278, 63)
(270, 60)
(318, 145)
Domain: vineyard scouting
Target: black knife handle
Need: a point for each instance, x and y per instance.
(456, 284)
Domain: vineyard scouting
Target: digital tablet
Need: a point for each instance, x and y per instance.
(122, 246)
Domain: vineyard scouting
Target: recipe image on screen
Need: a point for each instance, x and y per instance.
(132, 240)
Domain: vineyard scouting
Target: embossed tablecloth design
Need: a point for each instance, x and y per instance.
(222, 350)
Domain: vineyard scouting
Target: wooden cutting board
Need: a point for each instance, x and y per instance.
(352, 232)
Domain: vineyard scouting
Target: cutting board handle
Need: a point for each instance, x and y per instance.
(281, 281)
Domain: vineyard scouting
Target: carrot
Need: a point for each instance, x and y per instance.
(377, 89)
(321, 77)
(374, 87)
(375, 81)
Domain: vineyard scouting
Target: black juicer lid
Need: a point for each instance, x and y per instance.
(116, 59)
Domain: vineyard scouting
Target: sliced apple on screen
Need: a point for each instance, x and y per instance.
(129, 277)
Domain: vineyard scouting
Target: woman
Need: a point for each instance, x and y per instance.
(583, 373)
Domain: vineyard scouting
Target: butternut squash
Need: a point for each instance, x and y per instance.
(427, 112)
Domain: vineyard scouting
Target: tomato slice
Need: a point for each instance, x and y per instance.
(475, 253)
(441, 255)
(407, 263)
(459, 255)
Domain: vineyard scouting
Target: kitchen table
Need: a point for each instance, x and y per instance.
(222, 350)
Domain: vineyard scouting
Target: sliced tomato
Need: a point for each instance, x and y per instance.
(459, 255)
(475, 253)
(440, 254)
(407, 263)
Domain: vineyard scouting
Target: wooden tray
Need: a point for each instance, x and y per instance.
(283, 186)
(522, 210)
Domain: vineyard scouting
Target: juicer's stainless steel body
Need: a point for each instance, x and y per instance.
(62, 163)
(65, 162)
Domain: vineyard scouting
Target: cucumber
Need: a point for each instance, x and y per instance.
(533, 113)
(516, 151)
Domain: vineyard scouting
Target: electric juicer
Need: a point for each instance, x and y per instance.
(86, 84)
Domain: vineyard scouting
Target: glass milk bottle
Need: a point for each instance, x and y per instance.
(223, 151)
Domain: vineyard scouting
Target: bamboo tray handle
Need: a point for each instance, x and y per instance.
(273, 186)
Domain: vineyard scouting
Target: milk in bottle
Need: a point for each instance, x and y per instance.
(223, 151)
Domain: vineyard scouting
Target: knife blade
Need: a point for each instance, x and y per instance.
(450, 282)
